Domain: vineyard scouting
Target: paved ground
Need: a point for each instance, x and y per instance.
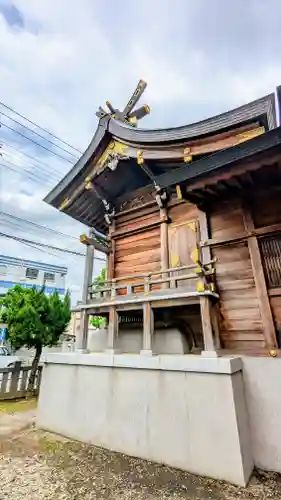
(40, 466)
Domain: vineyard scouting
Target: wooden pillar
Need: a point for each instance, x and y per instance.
(261, 288)
(164, 243)
(111, 256)
(112, 329)
(82, 340)
(206, 318)
(148, 329)
(204, 236)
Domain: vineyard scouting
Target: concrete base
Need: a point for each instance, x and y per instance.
(209, 354)
(130, 340)
(146, 352)
(185, 411)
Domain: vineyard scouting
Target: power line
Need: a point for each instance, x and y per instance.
(41, 128)
(30, 175)
(9, 145)
(45, 245)
(40, 226)
(37, 143)
(38, 135)
(63, 250)
(44, 175)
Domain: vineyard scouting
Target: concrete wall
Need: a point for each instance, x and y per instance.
(262, 377)
(130, 340)
(185, 411)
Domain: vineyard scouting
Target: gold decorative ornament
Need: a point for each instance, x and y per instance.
(273, 353)
(140, 159)
(84, 239)
(88, 185)
(195, 255)
(200, 286)
(64, 204)
(192, 225)
(179, 193)
(187, 156)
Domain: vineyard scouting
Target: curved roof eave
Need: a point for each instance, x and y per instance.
(81, 163)
(263, 106)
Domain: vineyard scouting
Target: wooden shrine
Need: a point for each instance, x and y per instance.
(190, 220)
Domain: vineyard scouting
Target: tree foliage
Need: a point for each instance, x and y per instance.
(98, 321)
(99, 280)
(34, 320)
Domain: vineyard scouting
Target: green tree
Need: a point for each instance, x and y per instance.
(98, 321)
(99, 280)
(34, 320)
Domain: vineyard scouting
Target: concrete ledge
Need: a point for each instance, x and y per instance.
(180, 363)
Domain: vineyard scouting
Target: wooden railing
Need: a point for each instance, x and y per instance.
(146, 282)
(14, 381)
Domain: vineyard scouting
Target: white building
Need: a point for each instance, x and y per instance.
(29, 273)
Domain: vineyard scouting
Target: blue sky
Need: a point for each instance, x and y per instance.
(59, 60)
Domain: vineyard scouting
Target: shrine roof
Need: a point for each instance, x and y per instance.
(70, 194)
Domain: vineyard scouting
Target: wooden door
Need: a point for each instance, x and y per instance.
(182, 243)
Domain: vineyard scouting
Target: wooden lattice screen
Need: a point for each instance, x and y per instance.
(271, 255)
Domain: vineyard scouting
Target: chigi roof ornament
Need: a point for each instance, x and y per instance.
(128, 115)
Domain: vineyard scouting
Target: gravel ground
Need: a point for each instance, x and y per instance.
(39, 466)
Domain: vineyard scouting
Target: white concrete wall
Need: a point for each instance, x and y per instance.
(262, 377)
(185, 411)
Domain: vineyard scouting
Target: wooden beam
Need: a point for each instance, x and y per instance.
(258, 273)
(259, 232)
(87, 240)
(274, 292)
(234, 171)
(148, 328)
(205, 308)
(140, 229)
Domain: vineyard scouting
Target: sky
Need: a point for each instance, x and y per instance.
(61, 59)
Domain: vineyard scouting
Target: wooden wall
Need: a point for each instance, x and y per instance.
(267, 212)
(137, 242)
(137, 249)
(136, 237)
(240, 321)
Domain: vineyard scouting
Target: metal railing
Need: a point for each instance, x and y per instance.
(165, 279)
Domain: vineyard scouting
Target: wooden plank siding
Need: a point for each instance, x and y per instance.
(240, 319)
(137, 243)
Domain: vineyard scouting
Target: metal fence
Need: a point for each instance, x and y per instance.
(14, 381)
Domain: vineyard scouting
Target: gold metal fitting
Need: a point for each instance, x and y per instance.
(84, 239)
(273, 353)
(140, 159)
(88, 185)
(187, 156)
(179, 193)
(64, 204)
(200, 286)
